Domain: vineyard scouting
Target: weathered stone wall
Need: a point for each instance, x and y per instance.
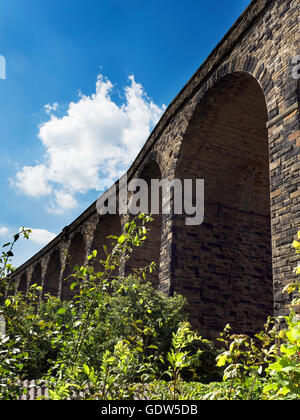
(236, 125)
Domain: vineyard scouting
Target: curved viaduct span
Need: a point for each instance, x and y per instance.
(235, 124)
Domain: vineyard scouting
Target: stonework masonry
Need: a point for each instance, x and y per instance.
(236, 125)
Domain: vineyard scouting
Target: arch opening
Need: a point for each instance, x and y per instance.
(23, 284)
(150, 251)
(108, 225)
(36, 277)
(51, 282)
(224, 266)
(75, 257)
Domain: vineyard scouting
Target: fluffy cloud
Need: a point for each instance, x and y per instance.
(41, 236)
(4, 231)
(23, 249)
(33, 181)
(49, 108)
(97, 139)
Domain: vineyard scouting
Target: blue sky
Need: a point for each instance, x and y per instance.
(87, 80)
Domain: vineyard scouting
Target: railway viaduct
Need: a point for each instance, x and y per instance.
(235, 124)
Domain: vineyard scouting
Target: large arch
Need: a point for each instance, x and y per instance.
(150, 251)
(75, 257)
(52, 277)
(108, 225)
(224, 266)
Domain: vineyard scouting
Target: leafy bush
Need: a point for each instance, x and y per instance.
(118, 338)
(270, 361)
(109, 316)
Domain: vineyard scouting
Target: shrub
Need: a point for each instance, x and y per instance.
(118, 338)
(63, 341)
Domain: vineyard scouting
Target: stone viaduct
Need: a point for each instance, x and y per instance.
(236, 125)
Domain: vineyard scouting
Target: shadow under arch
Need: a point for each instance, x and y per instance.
(52, 277)
(150, 251)
(36, 277)
(108, 225)
(75, 257)
(224, 266)
(23, 285)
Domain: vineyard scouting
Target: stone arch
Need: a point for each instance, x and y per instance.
(108, 225)
(150, 251)
(75, 257)
(248, 65)
(23, 285)
(224, 266)
(52, 277)
(37, 276)
(154, 161)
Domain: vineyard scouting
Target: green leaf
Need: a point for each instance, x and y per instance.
(296, 245)
(221, 360)
(62, 311)
(270, 387)
(290, 288)
(288, 350)
(284, 391)
(86, 370)
(121, 239)
(7, 303)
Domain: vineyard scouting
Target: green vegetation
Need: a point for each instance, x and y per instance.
(118, 338)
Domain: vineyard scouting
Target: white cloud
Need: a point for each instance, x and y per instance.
(41, 236)
(49, 108)
(96, 139)
(63, 201)
(4, 231)
(33, 180)
(23, 249)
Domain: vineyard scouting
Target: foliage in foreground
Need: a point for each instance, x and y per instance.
(118, 338)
